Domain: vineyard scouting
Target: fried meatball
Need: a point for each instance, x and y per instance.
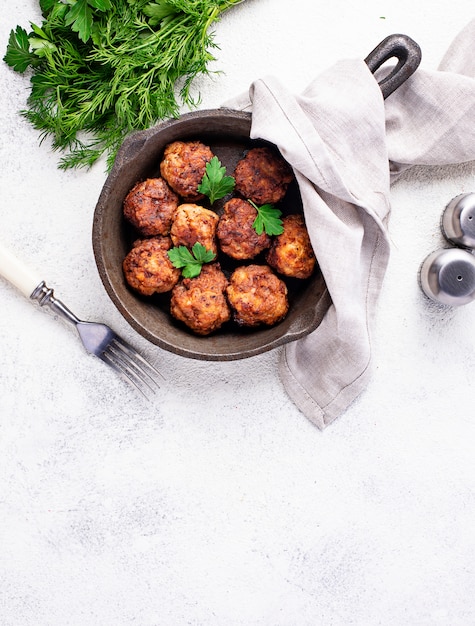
(257, 296)
(150, 206)
(148, 269)
(201, 302)
(236, 236)
(291, 253)
(263, 176)
(194, 223)
(183, 167)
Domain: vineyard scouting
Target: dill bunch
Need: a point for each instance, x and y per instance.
(103, 68)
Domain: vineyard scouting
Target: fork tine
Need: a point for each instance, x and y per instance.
(127, 362)
(147, 367)
(123, 373)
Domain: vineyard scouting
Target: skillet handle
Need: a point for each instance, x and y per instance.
(408, 54)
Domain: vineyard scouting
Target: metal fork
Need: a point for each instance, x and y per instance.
(97, 338)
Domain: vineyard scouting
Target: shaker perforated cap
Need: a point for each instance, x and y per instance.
(448, 276)
(458, 220)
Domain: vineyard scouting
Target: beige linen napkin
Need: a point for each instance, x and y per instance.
(346, 144)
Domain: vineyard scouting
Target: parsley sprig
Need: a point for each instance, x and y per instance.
(215, 184)
(80, 15)
(192, 261)
(103, 68)
(268, 219)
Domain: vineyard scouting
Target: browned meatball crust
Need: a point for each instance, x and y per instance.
(291, 253)
(200, 302)
(183, 167)
(148, 269)
(257, 296)
(236, 236)
(150, 206)
(263, 176)
(194, 223)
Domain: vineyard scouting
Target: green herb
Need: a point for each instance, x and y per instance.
(103, 68)
(190, 262)
(80, 15)
(215, 183)
(19, 56)
(268, 219)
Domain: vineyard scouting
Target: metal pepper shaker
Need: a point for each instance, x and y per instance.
(458, 221)
(448, 276)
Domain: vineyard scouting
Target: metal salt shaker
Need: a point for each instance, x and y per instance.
(448, 275)
(458, 221)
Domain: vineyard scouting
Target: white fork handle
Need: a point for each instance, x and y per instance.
(17, 273)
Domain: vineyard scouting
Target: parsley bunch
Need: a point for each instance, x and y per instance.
(103, 68)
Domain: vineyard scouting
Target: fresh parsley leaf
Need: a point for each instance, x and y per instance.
(268, 219)
(47, 5)
(180, 256)
(52, 9)
(18, 55)
(157, 11)
(201, 254)
(215, 184)
(81, 16)
(38, 31)
(190, 262)
(101, 5)
(41, 47)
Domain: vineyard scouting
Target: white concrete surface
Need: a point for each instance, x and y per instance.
(220, 504)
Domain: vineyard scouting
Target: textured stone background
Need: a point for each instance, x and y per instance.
(220, 504)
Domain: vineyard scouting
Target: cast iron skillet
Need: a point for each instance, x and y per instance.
(227, 133)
